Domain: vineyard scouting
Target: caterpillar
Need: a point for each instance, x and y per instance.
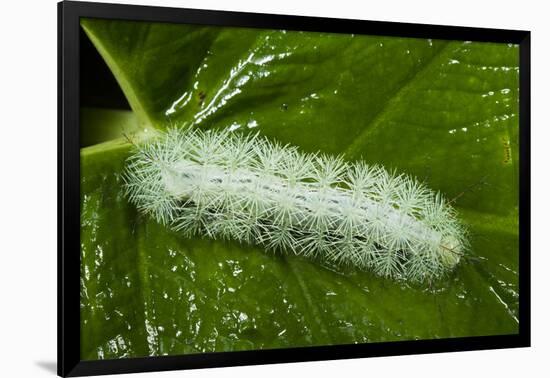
(245, 187)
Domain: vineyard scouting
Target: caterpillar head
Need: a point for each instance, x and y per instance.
(450, 250)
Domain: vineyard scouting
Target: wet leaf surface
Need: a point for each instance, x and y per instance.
(443, 111)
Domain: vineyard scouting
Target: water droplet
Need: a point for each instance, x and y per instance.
(234, 126)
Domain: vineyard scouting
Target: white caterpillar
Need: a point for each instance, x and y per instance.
(247, 188)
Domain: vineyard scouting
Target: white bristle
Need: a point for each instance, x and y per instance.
(247, 188)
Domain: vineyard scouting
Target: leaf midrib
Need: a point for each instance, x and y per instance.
(120, 76)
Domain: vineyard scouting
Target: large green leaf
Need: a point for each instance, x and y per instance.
(443, 111)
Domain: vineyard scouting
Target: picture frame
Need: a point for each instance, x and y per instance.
(69, 94)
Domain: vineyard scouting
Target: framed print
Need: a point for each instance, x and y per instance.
(241, 188)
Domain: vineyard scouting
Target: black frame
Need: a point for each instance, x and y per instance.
(69, 363)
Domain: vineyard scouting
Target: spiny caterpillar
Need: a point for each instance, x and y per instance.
(230, 185)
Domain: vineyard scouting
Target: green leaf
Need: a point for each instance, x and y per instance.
(443, 111)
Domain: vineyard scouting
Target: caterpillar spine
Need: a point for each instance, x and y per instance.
(248, 188)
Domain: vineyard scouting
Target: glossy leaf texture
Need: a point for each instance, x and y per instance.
(443, 111)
